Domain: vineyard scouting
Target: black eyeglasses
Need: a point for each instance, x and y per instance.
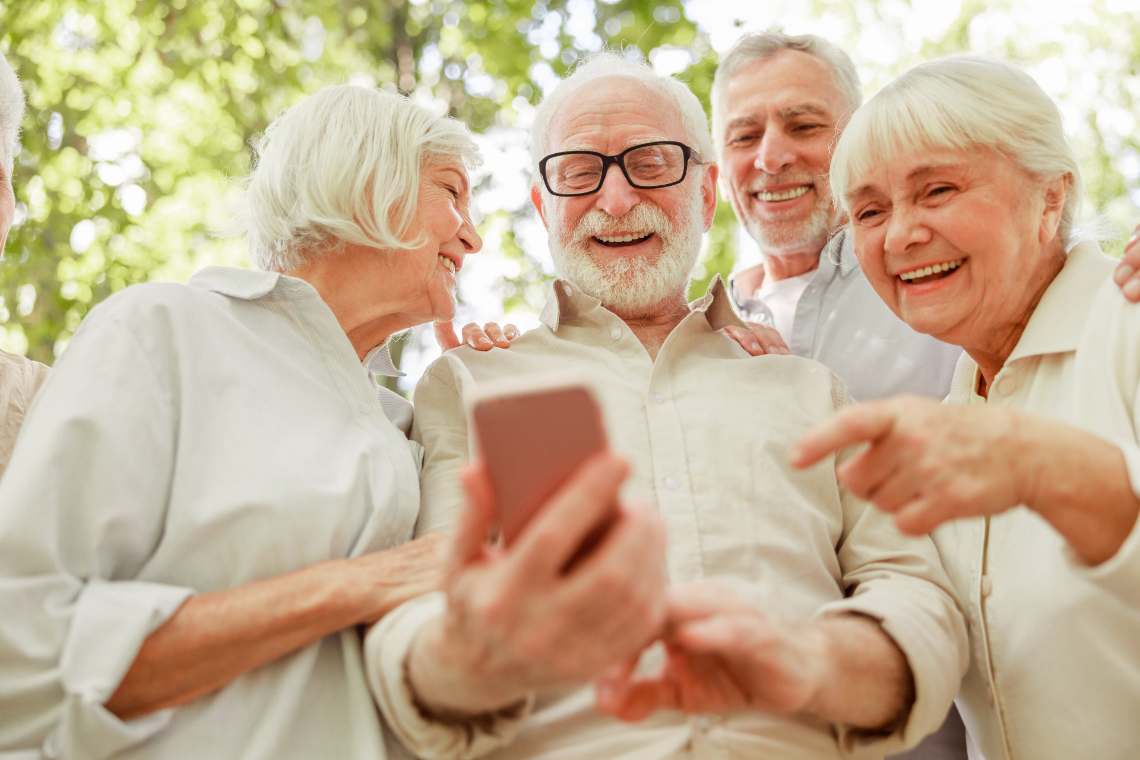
(647, 166)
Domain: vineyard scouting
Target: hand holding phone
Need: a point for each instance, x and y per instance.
(531, 440)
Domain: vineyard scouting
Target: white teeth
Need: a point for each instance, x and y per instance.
(785, 195)
(944, 266)
(448, 264)
(621, 238)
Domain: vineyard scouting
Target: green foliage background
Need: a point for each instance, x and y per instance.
(141, 113)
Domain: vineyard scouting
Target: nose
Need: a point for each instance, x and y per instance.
(616, 196)
(904, 230)
(775, 152)
(469, 237)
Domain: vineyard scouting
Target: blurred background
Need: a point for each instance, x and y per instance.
(141, 113)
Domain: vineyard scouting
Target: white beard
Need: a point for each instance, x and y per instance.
(632, 286)
(777, 236)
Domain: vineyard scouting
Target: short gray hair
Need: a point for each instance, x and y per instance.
(11, 114)
(960, 103)
(344, 166)
(606, 65)
(758, 46)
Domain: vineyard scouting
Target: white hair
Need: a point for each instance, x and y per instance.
(11, 114)
(607, 65)
(960, 103)
(344, 166)
(758, 46)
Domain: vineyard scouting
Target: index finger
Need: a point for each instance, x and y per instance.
(856, 424)
(445, 335)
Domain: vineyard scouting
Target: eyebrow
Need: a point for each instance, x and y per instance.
(914, 174)
(458, 175)
(788, 112)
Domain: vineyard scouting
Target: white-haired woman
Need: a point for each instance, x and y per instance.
(962, 192)
(208, 498)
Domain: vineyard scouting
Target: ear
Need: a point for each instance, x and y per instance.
(1056, 191)
(536, 200)
(708, 194)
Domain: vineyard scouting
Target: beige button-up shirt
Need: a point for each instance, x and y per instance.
(706, 428)
(1055, 671)
(20, 380)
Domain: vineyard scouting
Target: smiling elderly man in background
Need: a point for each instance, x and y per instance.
(865, 644)
(779, 103)
(20, 378)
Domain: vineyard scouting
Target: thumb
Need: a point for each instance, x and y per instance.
(475, 522)
(445, 335)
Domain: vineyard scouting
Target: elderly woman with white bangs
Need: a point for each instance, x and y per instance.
(962, 193)
(208, 498)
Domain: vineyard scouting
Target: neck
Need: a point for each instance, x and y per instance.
(790, 264)
(367, 318)
(992, 354)
(652, 326)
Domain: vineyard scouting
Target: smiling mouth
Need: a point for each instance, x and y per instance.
(621, 241)
(931, 272)
(781, 195)
(447, 263)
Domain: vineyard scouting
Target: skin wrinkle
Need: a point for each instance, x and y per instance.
(909, 214)
(782, 114)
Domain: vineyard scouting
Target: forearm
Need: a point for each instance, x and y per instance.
(1079, 483)
(216, 637)
(866, 681)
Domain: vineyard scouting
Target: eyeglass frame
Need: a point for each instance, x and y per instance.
(619, 159)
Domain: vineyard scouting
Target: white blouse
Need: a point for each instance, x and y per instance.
(193, 438)
(1055, 645)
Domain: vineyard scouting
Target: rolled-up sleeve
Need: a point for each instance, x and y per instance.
(386, 650)
(900, 582)
(82, 508)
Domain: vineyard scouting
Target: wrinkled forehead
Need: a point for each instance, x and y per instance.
(611, 113)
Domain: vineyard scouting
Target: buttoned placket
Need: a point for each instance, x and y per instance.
(671, 478)
(1005, 383)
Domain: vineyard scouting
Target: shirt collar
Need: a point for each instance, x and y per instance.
(566, 302)
(839, 253)
(245, 284)
(379, 361)
(1058, 321)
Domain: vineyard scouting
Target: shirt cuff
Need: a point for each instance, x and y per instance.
(935, 650)
(386, 649)
(109, 624)
(1120, 573)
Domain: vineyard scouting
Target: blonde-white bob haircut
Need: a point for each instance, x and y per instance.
(343, 166)
(11, 114)
(960, 103)
(608, 65)
(759, 46)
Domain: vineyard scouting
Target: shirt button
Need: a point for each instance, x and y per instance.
(702, 723)
(671, 483)
(658, 397)
(615, 333)
(987, 586)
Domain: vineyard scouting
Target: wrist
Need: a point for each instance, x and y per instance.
(448, 683)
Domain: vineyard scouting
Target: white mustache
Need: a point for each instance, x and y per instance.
(643, 219)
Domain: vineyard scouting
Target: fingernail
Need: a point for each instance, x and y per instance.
(484, 341)
(1132, 289)
(754, 346)
(1122, 273)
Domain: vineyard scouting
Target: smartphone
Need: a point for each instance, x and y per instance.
(532, 439)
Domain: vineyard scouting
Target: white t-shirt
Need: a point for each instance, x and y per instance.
(781, 296)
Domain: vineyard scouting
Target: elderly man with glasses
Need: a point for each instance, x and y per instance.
(864, 644)
(20, 378)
